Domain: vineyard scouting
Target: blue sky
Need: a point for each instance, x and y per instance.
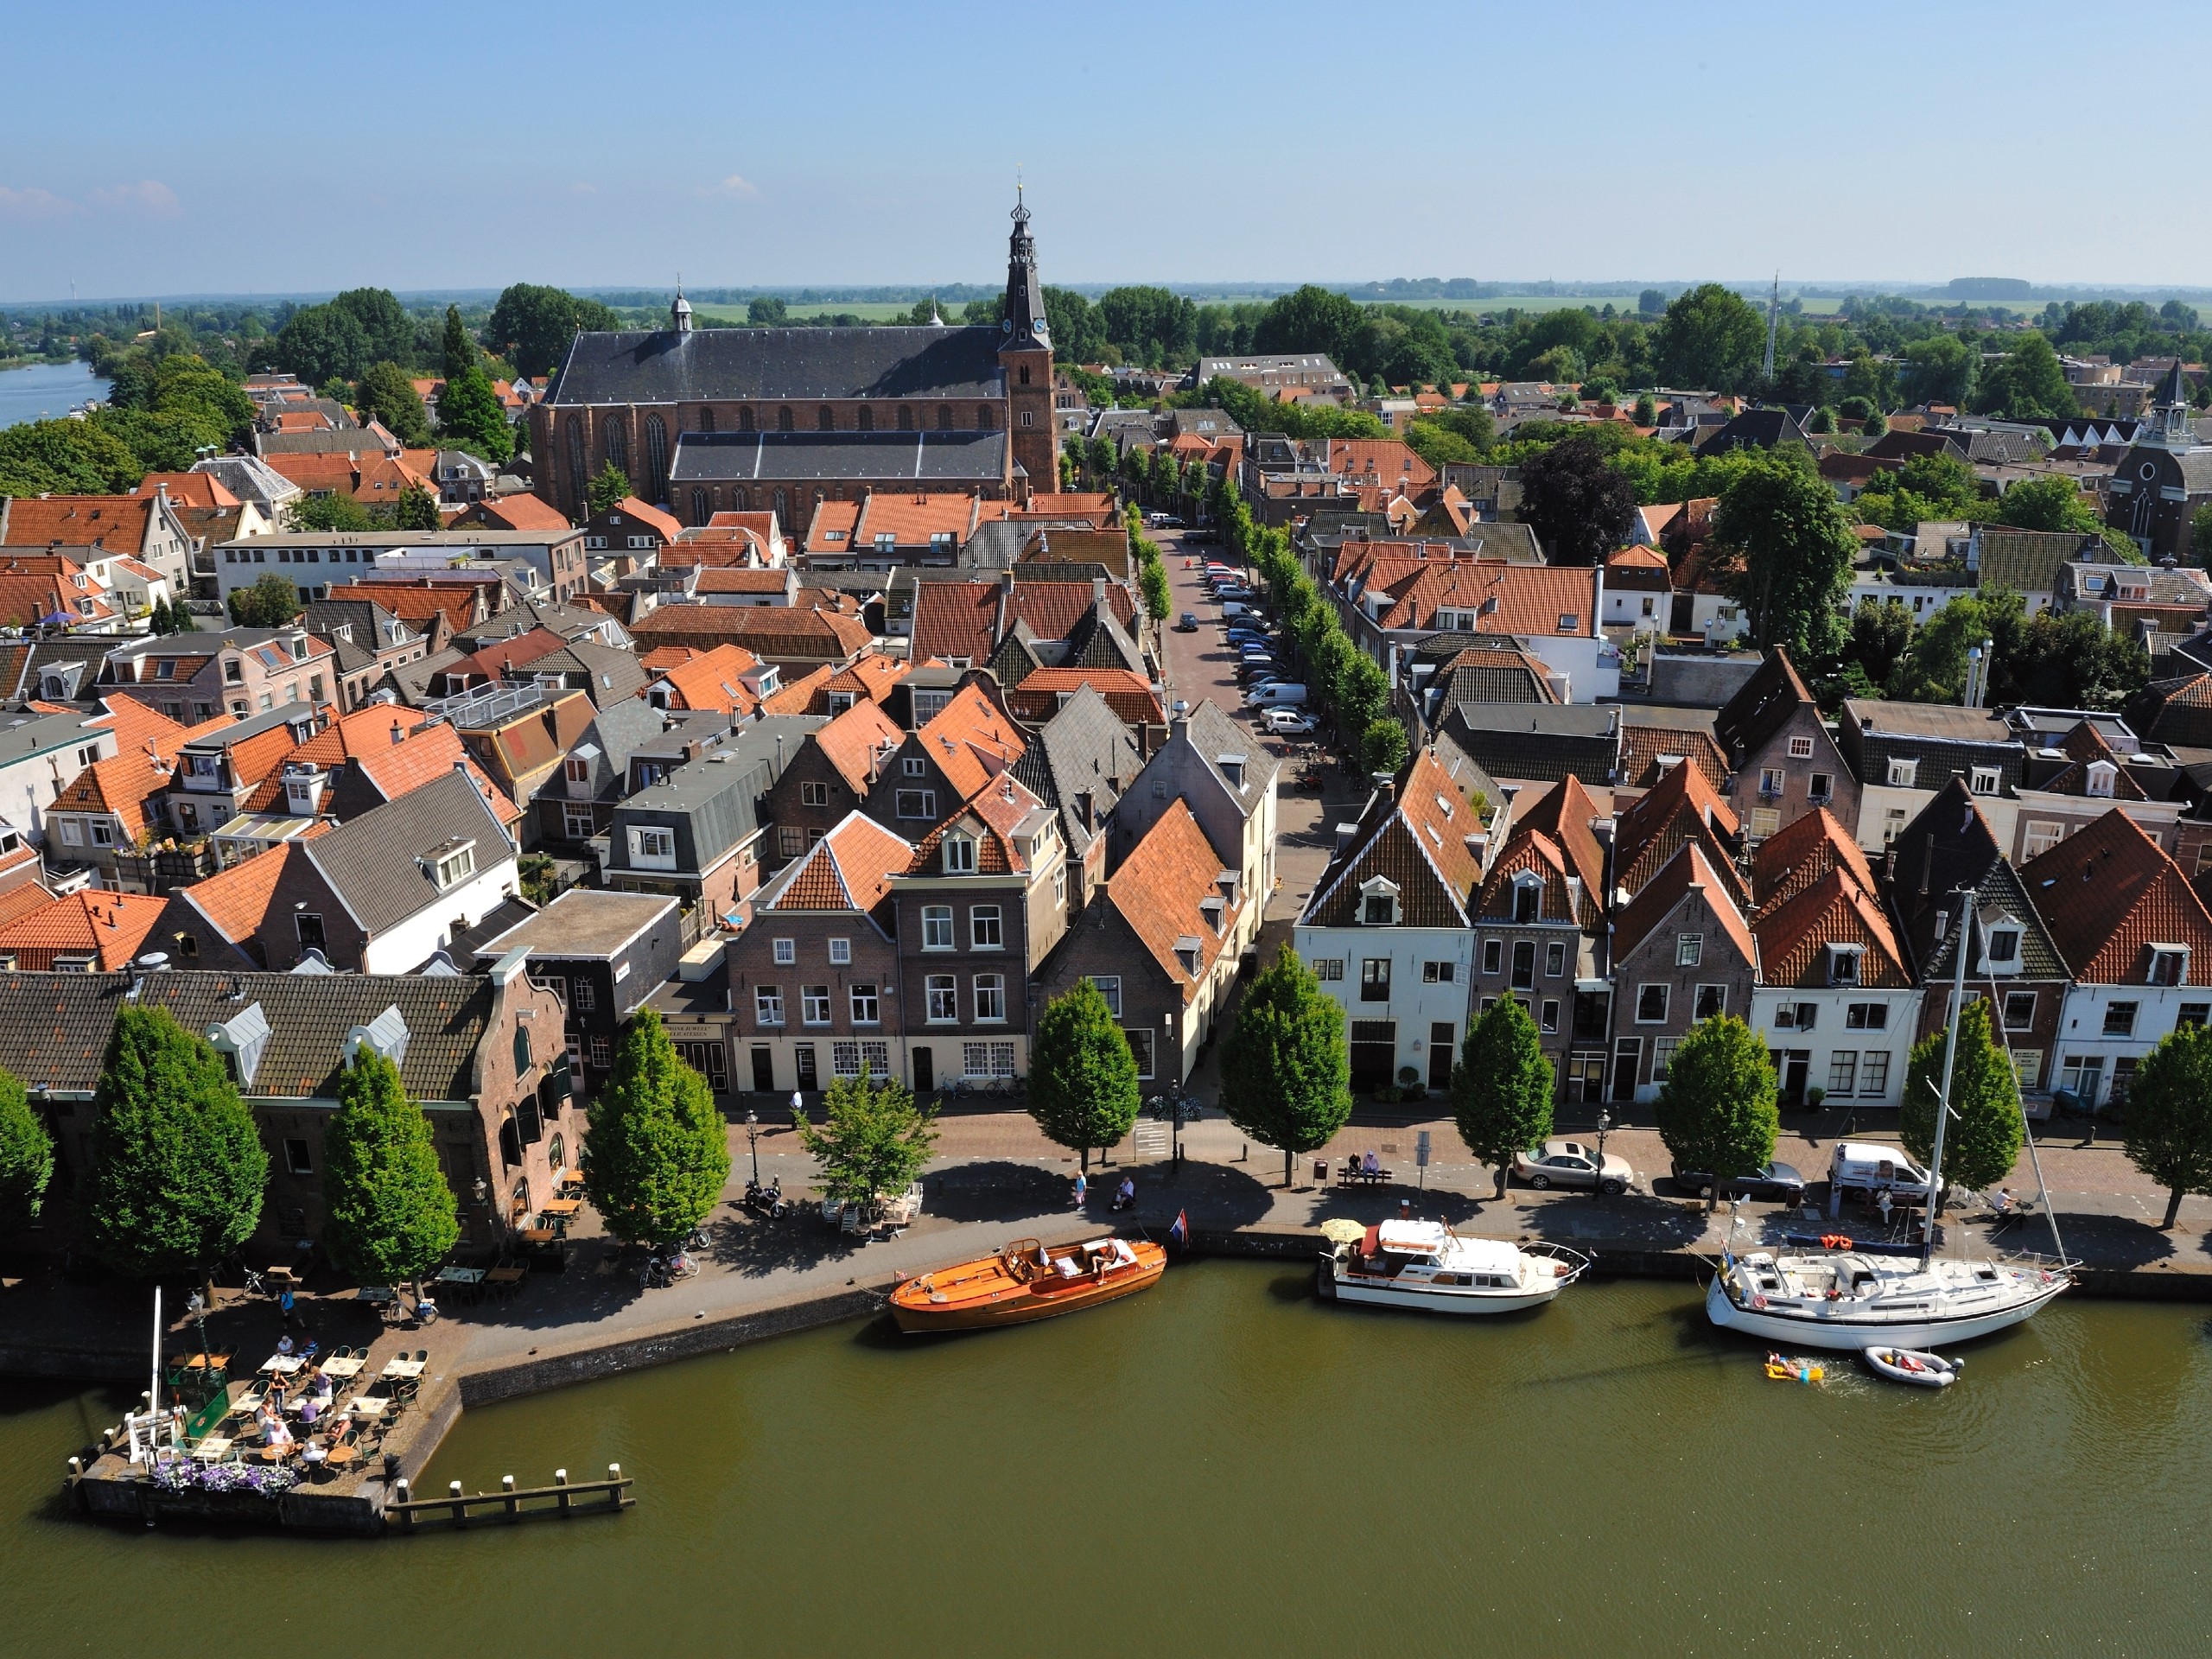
(147, 150)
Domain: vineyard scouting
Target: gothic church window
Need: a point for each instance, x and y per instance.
(826, 418)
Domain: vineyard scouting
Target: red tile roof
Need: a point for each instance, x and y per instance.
(189, 489)
(1801, 853)
(128, 782)
(236, 900)
(1552, 838)
(110, 927)
(971, 741)
(741, 579)
(1128, 693)
(1689, 867)
(1000, 804)
(714, 680)
(956, 619)
(2107, 893)
(521, 512)
(854, 740)
(1682, 806)
(428, 754)
(663, 525)
(1160, 888)
(850, 868)
(800, 696)
(115, 522)
(831, 531)
(1523, 599)
(775, 632)
(1794, 936)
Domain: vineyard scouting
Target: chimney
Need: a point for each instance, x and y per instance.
(1345, 834)
(1098, 590)
(397, 736)
(1006, 583)
(1180, 726)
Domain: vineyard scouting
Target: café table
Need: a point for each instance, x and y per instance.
(504, 1280)
(283, 1364)
(382, 1295)
(562, 1207)
(406, 1370)
(540, 1236)
(214, 1449)
(340, 1369)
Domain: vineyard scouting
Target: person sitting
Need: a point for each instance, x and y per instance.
(314, 1452)
(1368, 1164)
(284, 1345)
(1126, 1194)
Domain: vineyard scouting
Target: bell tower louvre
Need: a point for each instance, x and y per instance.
(1026, 353)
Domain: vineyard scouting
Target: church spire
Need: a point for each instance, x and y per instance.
(1025, 294)
(679, 314)
(2175, 431)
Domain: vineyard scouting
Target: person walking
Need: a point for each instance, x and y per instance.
(1081, 1186)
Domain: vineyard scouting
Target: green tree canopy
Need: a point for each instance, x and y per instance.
(470, 416)
(458, 348)
(1310, 319)
(1717, 1112)
(2050, 503)
(26, 1157)
(1578, 503)
(177, 1170)
(1795, 545)
(2027, 383)
(873, 1139)
(270, 603)
(1502, 1088)
(609, 487)
(656, 1153)
(1082, 1078)
(533, 325)
(767, 311)
(1285, 1071)
(416, 509)
(391, 1217)
(1383, 746)
(1711, 336)
(1987, 1130)
(332, 511)
(2168, 1133)
(387, 393)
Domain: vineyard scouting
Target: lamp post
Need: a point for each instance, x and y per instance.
(1605, 1122)
(753, 1140)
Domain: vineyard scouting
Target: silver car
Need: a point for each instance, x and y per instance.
(1569, 1163)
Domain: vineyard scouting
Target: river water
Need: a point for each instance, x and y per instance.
(45, 391)
(1223, 1465)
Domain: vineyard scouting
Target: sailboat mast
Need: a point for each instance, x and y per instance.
(1950, 1057)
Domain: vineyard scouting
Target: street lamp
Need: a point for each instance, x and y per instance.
(1605, 1122)
(753, 1140)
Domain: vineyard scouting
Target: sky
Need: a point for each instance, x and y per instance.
(254, 148)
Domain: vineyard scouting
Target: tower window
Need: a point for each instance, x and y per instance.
(745, 418)
(866, 419)
(1024, 374)
(945, 417)
(706, 420)
(982, 417)
(783, 417)
(905, 418)
(825, 418)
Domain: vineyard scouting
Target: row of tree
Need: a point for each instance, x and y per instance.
(166, 413)
(1151, 574)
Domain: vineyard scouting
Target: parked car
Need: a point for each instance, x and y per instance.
(1774, 1184)
(1276, 695)
(1189, 624)
(1170, 521)
(1259, 667)
(1864, 1172)
(1285, 722)
(1240, 637)
(1569, 1163)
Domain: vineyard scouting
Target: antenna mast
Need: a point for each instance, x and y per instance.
(1773, 321)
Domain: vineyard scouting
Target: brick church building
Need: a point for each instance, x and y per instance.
(781, 419)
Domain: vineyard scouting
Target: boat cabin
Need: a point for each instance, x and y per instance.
(1428, 1252)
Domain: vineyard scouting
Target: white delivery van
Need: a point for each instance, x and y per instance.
(1280, 695)
(1863, 1171)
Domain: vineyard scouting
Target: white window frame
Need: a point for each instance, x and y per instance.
(787, 952)
(1109, 987)
(936, 928)
(990, 993)
(1666, 1001)
(982, 919)
(941, 1000)
(841, 953)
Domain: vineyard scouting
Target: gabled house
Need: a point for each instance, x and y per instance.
(219, 921)
(192, 678)
(1903, 752)
(601, 954)
(965, 741)
(594, 775)
(221, 765)
(2096, 765)
(1159, 942)
(1785, 759)
(1388, 928)
(1683, 952)
(1680, 807)
(147, 527)
(85, 933)
(830, 778)
(1077, 763)
(2138, 942)
(729, 679)
(118, 803)
(814, 984)
(1229, 782)
(1836, 1000)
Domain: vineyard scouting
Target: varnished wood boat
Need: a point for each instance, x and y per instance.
(1026, 1281)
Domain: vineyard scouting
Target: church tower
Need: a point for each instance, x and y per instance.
(1025, 355)
(2171, 426)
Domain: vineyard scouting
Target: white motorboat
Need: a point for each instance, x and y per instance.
(1845, 1299)
(1920, 1370)
(1426, 1265)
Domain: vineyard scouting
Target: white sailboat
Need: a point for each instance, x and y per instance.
(1856, 1300)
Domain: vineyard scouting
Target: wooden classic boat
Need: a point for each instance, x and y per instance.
(1026, 1281)
(1424, 1264)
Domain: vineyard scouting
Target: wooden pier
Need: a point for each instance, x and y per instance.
(562, 1499)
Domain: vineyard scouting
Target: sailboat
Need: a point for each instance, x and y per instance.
(1841, 1299)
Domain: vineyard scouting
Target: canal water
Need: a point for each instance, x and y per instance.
(45, 391)
(1225, 1466)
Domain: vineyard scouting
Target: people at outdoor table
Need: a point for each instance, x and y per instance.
(284, 1345)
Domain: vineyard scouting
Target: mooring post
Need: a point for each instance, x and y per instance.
(459, 1505)
(613, 1485)
(514, 1504)
(406, 1515)
(561, 1479)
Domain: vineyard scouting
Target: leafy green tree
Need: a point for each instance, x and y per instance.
(609, 487)
(26, 1157)
(873, 1138)
(1711, 336)
(1438, 446)
(270, 603)
(656, 1153)
(1823, 422)
(2168, 1134)
(1716, 1111)
(469, 416)
(326, 512)
(391, 1217)
(1285, 1071)
(1876, 425)
(1940, 370)
(459, 351)
(322, 343)
(2027, 383)
(1987, 1131)
(767, 311)
(387, 394)
(177, 1170)
(533, 325)
(1311, 318)
(1646, 412)
(1868, 378)
(387, 332)
(2050, 503)
(1856, 411)
(1383, 745)
(1881, 633)
(1796, 545)
(1158, 599)
(1502, 1088)
(1578, 503)
(67, 457)
(1082, 1078)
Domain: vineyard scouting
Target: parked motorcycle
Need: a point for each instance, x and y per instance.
(768, 1200)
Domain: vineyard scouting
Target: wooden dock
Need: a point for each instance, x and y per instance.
(563, 1498)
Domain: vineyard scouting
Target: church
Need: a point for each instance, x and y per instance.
(2165, 478)
(708, 420)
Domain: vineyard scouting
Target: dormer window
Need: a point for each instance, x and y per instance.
(1527, 898)
(2003, 946)
(1904, 774)
(455, 863)
(959, 855)
(1844, 964)
(2169, 964)
(1379, 903)
(2099, 780)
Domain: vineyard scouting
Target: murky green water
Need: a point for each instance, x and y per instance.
(1225, 1466)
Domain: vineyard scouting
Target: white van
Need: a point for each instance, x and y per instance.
(1278, 694)
(1860, 1170)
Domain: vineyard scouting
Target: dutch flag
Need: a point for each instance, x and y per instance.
(1181, 1232)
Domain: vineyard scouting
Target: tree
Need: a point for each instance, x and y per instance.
(1940, 370)
(1796, 545)
(2168, 1134)
(1877, 425)
(873, 1139)
(177, 1169)
(609, 487)
(2027, 383)
(1646, 412)
(1082, 1078)
(320, 343)
(1881, 633)
(385, 393)
(391, 1217)
(1502, 1088)
(416, 509)
(1285, 1071)
(1984, 1140)
(1717, 1112)
(532, 325)
(1158, 599)
(469, 415)
(655, 1151)
(1310, 319)
(1383, 746)
(2051, 503)
(26, 1157)
(459, 351)
(270, 603)
(1711, 336)
(767, 311)
(1577, 501)
(326, 512)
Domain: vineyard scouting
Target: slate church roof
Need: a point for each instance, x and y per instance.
(780, 364)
